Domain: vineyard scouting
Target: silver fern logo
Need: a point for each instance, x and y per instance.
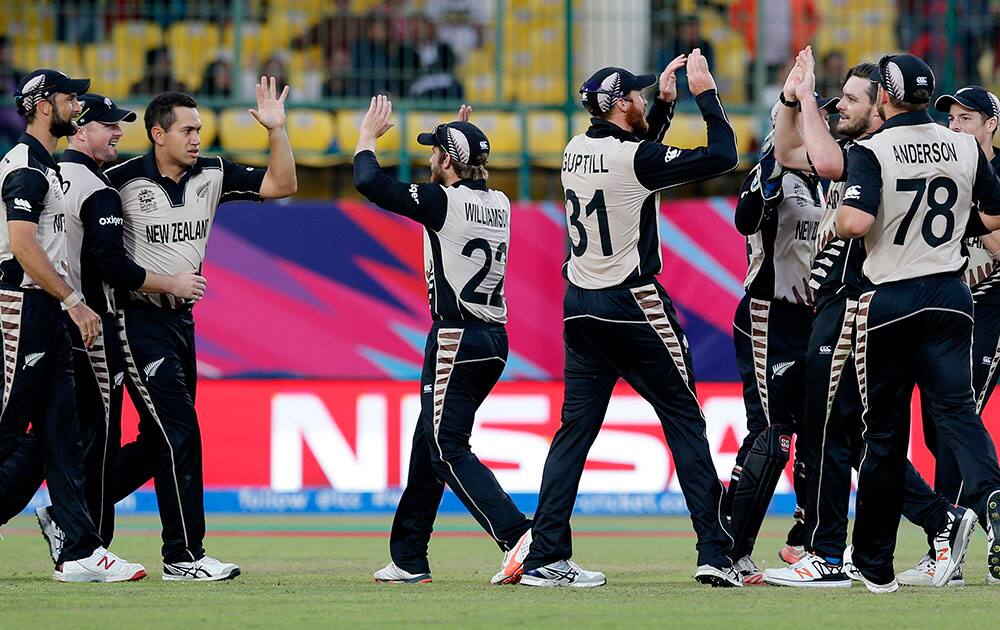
(894, 82)
(458, 145)
(31, 359)
(151, 368)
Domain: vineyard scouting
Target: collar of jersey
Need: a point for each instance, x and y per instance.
(908, 118)
(149, 164)
(79, 157)
(477, 184)
(603, 129)
(37, 150)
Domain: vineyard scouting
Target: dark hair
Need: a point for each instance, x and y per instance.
(863, 71)
(153, 55)
(909, 107)
(160, 111)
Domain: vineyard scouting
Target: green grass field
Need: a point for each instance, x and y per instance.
(316, 571)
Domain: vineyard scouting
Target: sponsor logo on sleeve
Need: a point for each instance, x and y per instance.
(854, 192)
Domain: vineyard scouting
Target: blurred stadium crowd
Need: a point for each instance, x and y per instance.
(511, 57)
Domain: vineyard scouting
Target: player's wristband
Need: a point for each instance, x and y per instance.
(71, 300)
(786, 103)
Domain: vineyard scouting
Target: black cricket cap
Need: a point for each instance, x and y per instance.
(98, 108)
(906, 78)
(43, 83)
(607, 85)
(974, 97)
(463, 141)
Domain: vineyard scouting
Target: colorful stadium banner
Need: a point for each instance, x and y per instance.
(343, 446)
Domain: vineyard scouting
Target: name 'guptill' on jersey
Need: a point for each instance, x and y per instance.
(612, 178)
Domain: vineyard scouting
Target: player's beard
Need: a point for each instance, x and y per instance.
(61, 127)
(437, 171)
(854, 128)
(636, 119)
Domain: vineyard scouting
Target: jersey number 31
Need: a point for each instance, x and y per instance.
(596, 205)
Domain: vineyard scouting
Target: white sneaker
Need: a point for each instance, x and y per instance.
(512, 566)
(563, 573)
(811, 571)
(391, 574)
(748, 571)
(207, 569)
(718, 577)
(101, 566)
(992, 540)
(891, 587)
(923, 574)
(51, 532)
(951, 544)
(849, 569)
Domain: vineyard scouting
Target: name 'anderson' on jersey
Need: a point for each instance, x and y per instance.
(919, 180)
(611, 179)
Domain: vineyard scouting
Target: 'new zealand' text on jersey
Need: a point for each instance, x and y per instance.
(167, 223)
(466, 238)
(94, 224)
(919, 180)
(32, 190)
(780, 236)
(611, 178)
(837, 262)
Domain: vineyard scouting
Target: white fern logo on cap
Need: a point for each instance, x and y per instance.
(894, 81)
(458, 145)
(995, 102)
(610, 91)
(34, 84)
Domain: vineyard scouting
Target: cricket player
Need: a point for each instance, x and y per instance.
(972, 110)
(99, 266)
(169, 198)
(38, 364)
(619, 321)
(830, 443)
(779, 212)
(466, 242)
(910, 192)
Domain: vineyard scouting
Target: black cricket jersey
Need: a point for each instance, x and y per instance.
(983, 271)
(98, 263)
(32, 190)
(466, 239)
(167, 223)
(612, 180)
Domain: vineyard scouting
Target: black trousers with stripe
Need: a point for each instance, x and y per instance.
(462, 363)
(632, 333)
(113, 471)
(771, 339)
(985, 372)
(38, 388)
(161, 373)
(830, 445)
(914, 333)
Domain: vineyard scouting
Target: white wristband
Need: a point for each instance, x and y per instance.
(72, 300)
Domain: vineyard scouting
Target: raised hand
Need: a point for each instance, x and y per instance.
(699, 78)
(378, 119)
(668, 78)
(792, 82)
(270, 112)
(807, 87)
(464, 112)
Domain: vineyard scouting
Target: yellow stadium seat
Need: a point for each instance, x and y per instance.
(504, 131)
(581, 122)
(193, 44)
(134, 140)
(136, 36)
(257, 43)
(111, 82)
(545, 89)
(419, 122)
(209, 127)
(348, 123)
(687, 131)
(63, 57)
(547, 138)
(240, 133)
(311, 130)
(108, 64)
(747, 132)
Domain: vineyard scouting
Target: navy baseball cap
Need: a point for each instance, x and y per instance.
(827, 104)
(607, 85)
(98, 108)
(974, 97)
(43, 83)
(906, 78)
(463, 141)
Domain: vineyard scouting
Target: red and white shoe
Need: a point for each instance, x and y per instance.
(101, 566)
(512, 566)
(749, 573)
(791, 554)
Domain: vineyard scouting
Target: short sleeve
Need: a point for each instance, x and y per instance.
(864, 181)
(240, 182)
(24, 193)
